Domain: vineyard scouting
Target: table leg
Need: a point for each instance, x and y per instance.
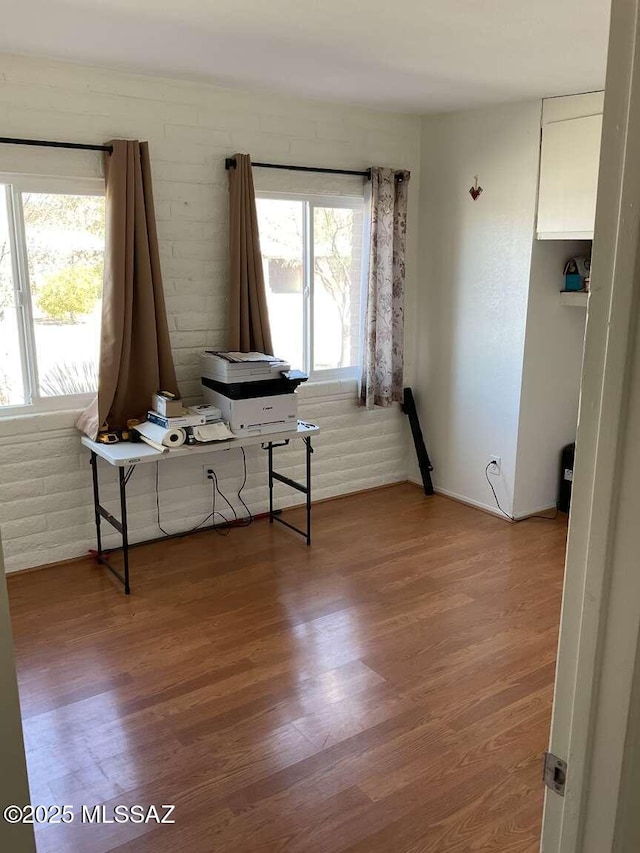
(270, 455)
(275, 514)
(125, 531)
(307, 441)
(96, 500)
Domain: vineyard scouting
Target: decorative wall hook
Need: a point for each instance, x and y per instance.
(475, 190)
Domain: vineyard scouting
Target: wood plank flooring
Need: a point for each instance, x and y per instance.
(386, 691)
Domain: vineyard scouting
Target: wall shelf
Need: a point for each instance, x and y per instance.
(574, 298)
(564, 235)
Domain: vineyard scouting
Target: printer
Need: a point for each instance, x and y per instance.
(254, 391)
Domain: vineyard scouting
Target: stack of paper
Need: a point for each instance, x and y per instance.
(212, 432)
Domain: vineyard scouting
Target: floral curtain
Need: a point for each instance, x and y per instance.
(382, 368)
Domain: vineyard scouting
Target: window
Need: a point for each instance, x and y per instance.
(51, 266)
(311, 254)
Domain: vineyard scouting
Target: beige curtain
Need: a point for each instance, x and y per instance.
(383, 356)
(135, 351)
(249, 328)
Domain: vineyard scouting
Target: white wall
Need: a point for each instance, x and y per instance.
(474, 278)
(551, 377)
(45, 509)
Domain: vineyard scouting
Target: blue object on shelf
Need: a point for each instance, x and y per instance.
(577, 272)
(572, 281)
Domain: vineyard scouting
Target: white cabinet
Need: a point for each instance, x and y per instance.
(571, 131)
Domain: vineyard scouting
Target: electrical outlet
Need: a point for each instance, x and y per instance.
(206, 476)
(495, 465)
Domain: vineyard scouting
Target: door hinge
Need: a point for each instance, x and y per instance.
(554, 773)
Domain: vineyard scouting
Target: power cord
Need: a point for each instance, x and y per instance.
(237, 522)
(510, 517)
(249, 519)
(495, 496)
(184, 532)
(225, 528)
(222, 529)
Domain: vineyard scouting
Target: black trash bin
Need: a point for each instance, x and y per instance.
(566, 477)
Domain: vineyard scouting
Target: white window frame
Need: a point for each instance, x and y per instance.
(34, 402)
(312, 200)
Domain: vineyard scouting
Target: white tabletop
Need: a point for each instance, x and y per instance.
(135, 453)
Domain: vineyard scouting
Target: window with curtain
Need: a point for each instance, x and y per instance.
(312, 251)
(52, 234)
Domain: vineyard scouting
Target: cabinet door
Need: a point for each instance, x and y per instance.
(569, 178)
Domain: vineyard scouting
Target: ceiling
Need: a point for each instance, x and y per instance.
(408, 55)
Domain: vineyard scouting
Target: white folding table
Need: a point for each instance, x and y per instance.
(126, 456)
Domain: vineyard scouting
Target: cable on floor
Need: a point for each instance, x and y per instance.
(506, 514)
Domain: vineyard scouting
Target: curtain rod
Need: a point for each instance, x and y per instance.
(7, 140)
(230, 163)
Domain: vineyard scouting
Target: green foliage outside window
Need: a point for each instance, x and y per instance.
(71, 292)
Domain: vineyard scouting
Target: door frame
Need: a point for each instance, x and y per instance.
(14, 783)
(600, 622)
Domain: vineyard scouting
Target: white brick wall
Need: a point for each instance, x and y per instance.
(45, 496)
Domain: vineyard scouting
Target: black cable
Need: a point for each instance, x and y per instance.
(495, 496)
(249, 519)
(543, 517)
(510, 517)
(184, 532)
(224, 498)
(236, 522)
(223, 529)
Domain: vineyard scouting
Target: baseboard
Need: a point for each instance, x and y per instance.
(445, 493)
(87, 556)
(379, 488)
(486, 507)
(492, 510)
(12, 573)
(521, 516)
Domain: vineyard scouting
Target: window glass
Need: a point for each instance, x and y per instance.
(311, 254)
(337, 247)
(281, 225)
(64, 237)
(11, 379)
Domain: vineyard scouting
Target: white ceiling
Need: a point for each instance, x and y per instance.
(417, 55)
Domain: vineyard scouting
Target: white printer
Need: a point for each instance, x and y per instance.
(254, 391)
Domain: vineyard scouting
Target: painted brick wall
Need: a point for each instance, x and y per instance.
(45, 498)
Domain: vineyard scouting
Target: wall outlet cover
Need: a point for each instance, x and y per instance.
(495, 465)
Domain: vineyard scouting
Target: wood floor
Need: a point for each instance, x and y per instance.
(387, 690)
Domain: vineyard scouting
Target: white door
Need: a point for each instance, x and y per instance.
(600, 628)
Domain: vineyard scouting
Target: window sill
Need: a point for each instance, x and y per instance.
(34, 422)
(75, 403)
(340, 389)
